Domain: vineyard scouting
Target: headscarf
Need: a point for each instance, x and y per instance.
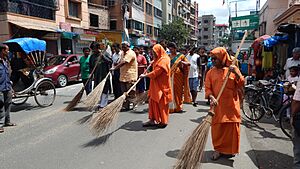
(222, 55)
(162, 59)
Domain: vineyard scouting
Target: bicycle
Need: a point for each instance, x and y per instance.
(266, 99)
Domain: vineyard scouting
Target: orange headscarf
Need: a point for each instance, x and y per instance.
(162, 59)
(222, 55)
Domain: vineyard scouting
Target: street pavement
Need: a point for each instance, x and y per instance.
(49, 138)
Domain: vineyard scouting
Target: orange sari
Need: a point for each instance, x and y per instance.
(160, 87)
(225, 127)
(179, 83)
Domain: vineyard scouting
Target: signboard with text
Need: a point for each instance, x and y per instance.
(248, 22)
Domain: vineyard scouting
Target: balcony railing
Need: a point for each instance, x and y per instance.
(42, 9)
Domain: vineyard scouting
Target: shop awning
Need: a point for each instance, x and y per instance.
(68, 35)
(34, 26)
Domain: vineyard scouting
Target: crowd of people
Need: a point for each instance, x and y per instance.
(172, 76)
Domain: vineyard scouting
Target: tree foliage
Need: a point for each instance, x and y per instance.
(175, 32)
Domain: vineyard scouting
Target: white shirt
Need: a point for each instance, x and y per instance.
(293, 79)
(116, 57)
(289, 63)
(297, 92)
(194, 72)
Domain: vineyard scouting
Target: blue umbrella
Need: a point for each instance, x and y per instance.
(27, 44)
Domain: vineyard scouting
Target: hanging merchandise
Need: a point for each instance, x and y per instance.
(267, 58)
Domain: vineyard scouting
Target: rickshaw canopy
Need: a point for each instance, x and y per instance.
(26, 44)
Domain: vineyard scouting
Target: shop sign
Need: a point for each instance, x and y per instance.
(65, 26)
(78, 31)
(84, 37)
(90, 32)
(248, 22)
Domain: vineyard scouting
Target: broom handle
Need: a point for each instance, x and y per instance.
(139, 79)
(234, 60)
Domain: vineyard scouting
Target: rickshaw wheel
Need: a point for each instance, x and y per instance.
(45, 93)
(19, 100)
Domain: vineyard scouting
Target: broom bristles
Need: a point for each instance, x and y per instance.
(193, 149)
(93, 98)
(105, 117)
(74, 101)
(140, 98)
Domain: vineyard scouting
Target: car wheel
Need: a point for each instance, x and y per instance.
(62, 80)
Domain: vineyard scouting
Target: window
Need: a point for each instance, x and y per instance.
(156, 31)
(129, 24)
(139, 3)
(149, 29)
(109, 2)
(157, 12)
(94, 20)
(148, 9)
(113, 25)
(42, 9)
(138, 26)
(74, 9)
(205, 37)
(193, 10)
(205, 21)
(170, 17)
(205, 29)
(220, 33)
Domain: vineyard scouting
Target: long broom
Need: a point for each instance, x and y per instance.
(103, 118)
(73, 103)
(192, 150)
(93, 98)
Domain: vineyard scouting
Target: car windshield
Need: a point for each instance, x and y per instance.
(57, 60)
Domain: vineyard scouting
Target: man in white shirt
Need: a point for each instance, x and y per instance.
(116, 58)
(293, 61)
(193, 75)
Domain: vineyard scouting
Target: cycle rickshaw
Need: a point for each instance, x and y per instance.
(27, 63)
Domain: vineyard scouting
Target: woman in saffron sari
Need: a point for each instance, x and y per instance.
(179, 79)
(160, 89)
(225, 127)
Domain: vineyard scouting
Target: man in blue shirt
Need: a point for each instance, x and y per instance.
(5, 88)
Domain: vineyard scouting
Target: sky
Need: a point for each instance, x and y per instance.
(221, 12)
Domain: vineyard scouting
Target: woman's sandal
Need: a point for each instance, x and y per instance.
(216, 155)
(149, 124)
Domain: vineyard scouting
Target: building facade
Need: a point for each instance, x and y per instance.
(291, 14)
(188, 11)
(143, 19)
(221, 34)
(168, 10)
(267, 14)
(206, 30)
(64, 24)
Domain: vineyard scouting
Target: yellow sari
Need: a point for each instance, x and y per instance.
(179, 83)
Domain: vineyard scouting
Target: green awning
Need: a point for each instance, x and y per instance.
(69, 35)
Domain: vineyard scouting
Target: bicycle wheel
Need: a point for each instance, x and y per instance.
(284, 120)
(19, 100)
(253, 105)
(45, 93)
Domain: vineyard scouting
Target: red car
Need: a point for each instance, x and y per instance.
(63, 69)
